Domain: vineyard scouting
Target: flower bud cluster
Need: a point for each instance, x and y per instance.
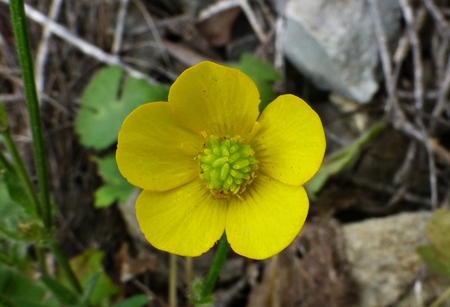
(228, 165)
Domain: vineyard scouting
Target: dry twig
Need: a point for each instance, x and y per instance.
(403, 172)
(412, 29)
(118, 33)
(416, 130)
(216, 8)
(42, 53)
(253, 21)
(81, 44)
(437, 15)
(155, 33)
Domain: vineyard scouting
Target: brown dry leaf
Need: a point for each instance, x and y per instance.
(131, 267)
(311, 272)
(217, 28)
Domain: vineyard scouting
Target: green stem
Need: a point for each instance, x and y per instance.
(216, 267)
(441, 298)
(23, 49)
(66, 267)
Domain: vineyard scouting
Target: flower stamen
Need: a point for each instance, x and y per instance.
(227, 165)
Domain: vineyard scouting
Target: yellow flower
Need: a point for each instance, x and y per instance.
(208, 162)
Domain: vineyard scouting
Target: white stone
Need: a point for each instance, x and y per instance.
(382, 256)
(334, 44)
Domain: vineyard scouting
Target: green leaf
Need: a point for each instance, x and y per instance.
(14, 284)
(135, 301)
(23, 303)
(86, 266)
(434, 260)
(437, 255)
(63, 294)
(18, 194)
(13, 223)
(5, 302)
(115, 188)
(90, 285)
(340, 160)
(27, 231)
(8, 208)
(102, 111)
(438, 231)
(262, 73)
(15, 254)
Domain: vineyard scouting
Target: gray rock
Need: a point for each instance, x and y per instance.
(334, 44)
(383, 261)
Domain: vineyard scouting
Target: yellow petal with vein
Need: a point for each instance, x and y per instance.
(215, 99)
(267, 219)
(154, 152)
(186, 221)
(290, 143)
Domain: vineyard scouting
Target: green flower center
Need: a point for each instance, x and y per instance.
(228, 165)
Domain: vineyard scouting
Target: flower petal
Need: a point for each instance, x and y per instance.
(186, 221)
(154, 152)
(267, 219)
(215, 99)
(290, 143)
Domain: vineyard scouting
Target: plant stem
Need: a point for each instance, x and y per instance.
(173, 281)
(65, 266)
(216, 267)
(189, 276)
(23, 49)
(24, 52)
(441, 298)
